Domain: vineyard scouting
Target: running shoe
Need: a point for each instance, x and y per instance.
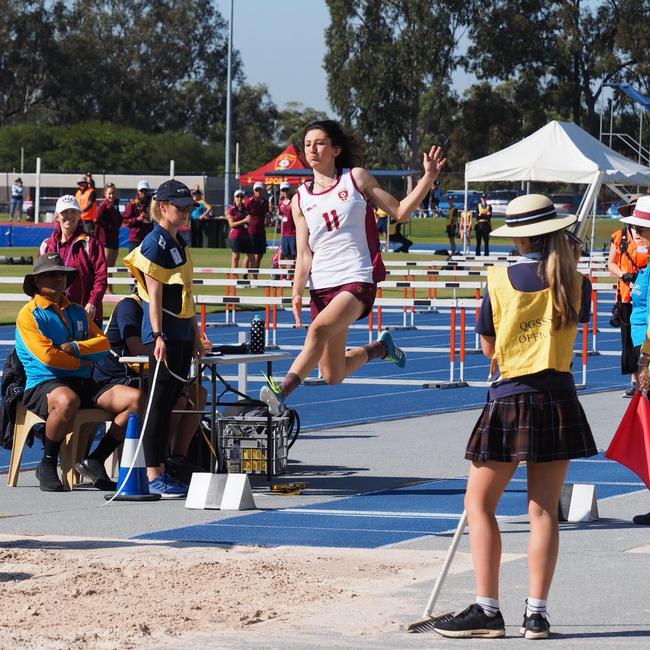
(630, 389)
(272, 396)
(395, 353)
(535, 626)
(471, 622)
(167, 487)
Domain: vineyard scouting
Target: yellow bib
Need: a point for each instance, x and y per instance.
(526, 342)
(140, 266)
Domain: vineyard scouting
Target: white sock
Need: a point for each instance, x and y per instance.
(535, 606)
(490, 605)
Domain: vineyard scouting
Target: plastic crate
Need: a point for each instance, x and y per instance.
(243, 440)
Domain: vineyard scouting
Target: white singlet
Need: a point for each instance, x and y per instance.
(342, 235)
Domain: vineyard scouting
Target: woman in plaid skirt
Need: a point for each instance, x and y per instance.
(528, 326)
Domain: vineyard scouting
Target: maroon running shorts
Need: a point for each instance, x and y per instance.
(364, 292)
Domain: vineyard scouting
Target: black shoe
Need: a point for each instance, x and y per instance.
(180, 469)
(48, 478)
(95, 472)
(642, 520)
(535, 626)
(471, 622)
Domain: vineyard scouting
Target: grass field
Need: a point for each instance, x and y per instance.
(430, 231)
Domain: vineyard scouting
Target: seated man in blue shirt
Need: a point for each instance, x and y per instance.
(124, 332)
(57, 344)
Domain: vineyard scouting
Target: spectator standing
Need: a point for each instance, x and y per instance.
(483, 225)
(202, 210)
(436, 195)
(466, 223)
(528, 325)
(289, 250)
(639, 222)
(17, 191)
(82, 252)
(57, 344)
(90, 180)
(624, 262)
(238, 220)
(136, 216)
(108, 224)
(87, 198)
(258, 209)
(452, 225)
(162, 266)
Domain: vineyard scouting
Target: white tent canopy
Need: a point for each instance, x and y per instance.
(558, 152)
(561, 152)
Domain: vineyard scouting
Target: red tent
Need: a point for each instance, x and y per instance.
(289, 159)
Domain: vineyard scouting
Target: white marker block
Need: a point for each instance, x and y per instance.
(238, 494)
(206, 491)
(583, 506)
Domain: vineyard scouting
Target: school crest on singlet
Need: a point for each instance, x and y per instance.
(342, 235)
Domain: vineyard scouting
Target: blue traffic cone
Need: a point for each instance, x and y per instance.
(137, 485)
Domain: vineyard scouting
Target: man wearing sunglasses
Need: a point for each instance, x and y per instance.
(58, 343)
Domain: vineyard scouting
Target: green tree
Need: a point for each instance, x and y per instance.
(389, 65)
(570, 47)
(29, 56)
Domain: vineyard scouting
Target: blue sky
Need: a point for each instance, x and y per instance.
(281, 43)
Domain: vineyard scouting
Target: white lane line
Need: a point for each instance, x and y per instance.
(372, 513)
(628, 483)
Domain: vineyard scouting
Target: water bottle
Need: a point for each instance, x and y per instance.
(257, 335)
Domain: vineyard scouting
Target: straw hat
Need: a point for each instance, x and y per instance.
(641, 214)
(532, 215)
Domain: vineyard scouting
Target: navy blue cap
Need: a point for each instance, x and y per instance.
(176, 193)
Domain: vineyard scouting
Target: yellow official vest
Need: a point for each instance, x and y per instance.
(483, 211)
(526, 342)
(140, 266)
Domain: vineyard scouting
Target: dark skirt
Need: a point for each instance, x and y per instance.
(537, 427)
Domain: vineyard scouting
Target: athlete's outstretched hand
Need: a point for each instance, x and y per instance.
(297, 309)
(433, 162)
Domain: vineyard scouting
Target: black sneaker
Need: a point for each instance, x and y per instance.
(642, 520)
(95, 472)
(471, 622)
(48, 478)
(535, 626)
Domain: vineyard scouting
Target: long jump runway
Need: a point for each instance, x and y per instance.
(387, 517)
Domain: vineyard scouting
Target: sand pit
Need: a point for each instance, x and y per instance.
(71, 593)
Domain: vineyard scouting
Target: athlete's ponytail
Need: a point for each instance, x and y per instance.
(558, 268)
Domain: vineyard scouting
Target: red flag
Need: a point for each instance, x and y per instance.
(630, 445)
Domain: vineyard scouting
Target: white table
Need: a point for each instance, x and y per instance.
(242, 361)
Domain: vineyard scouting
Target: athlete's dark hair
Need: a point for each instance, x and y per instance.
(350, 155)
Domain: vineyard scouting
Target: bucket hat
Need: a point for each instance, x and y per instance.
(532, 215)
(641, 213)
(47, 263)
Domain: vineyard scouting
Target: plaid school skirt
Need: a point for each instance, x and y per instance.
(537, 427)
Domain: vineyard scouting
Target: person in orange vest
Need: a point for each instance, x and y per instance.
(87, 199)
(626, 258)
